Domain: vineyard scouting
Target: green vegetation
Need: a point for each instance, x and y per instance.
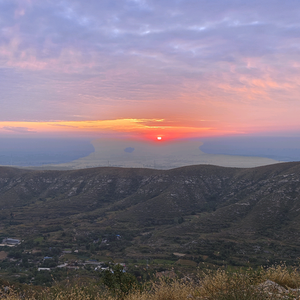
(119, 282)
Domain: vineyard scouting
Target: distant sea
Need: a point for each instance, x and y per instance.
(278, 148)
(37, 152)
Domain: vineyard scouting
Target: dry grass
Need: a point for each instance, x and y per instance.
(284, 276)
(164, 290)
(223, 285)
(277, 282)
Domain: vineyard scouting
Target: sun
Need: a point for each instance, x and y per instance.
(159, 138)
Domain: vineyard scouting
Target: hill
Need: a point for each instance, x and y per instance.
(186, 215)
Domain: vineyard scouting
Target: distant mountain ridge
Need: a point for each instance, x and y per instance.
(223, 213)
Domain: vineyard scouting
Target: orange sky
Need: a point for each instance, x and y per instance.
(148, 129)
(138, 128)
(149, 68)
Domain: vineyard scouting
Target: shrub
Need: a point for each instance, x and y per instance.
(118, 281)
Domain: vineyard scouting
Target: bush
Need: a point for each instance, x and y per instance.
(118, 281)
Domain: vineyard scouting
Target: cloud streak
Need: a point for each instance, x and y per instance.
(134, 128)
(18, 129)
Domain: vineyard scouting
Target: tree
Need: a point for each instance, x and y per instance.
(119, 282)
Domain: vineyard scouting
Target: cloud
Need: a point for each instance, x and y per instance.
(18, 129)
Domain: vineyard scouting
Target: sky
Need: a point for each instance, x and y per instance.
(149, 68)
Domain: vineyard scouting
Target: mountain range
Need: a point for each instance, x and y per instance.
(200, 213)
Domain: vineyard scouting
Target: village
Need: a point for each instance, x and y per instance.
(32, 265)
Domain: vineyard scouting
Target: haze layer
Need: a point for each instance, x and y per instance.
(157, 155)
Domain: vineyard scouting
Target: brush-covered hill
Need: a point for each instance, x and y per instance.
(206, 212)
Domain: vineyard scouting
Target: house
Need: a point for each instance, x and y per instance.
(9, 241)
(62, 265)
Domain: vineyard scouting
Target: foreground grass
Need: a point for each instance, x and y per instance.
(277, 282)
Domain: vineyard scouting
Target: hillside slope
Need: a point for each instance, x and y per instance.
(203, 211)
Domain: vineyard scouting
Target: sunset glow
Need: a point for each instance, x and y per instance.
(149, 68)
(138, 128)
